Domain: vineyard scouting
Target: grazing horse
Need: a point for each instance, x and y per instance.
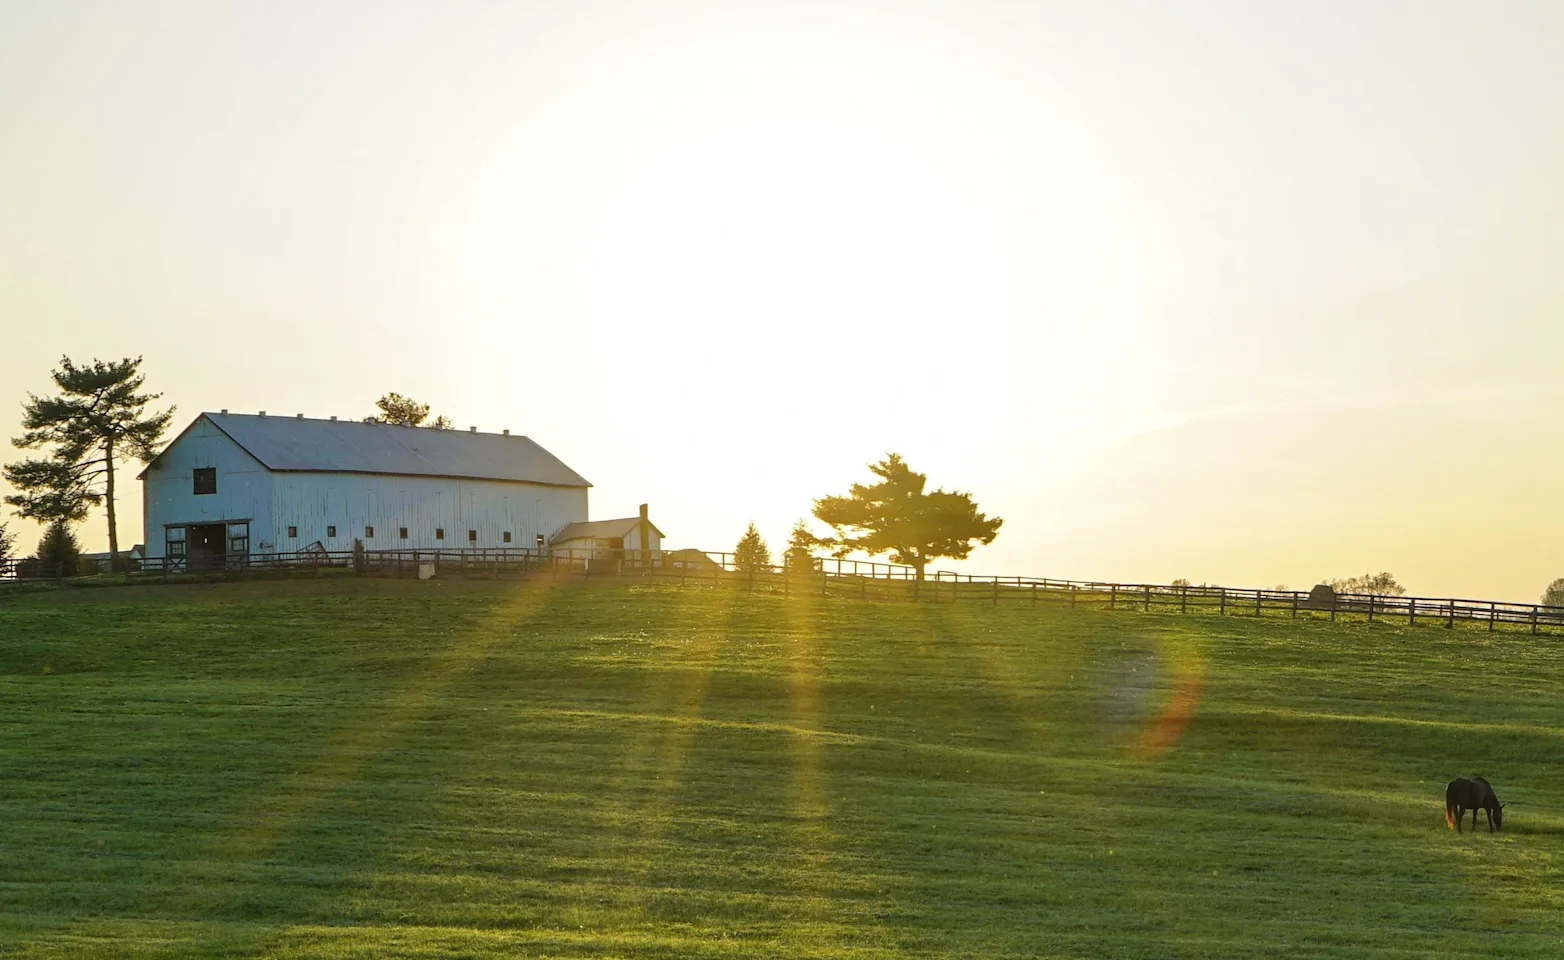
(1474, 795)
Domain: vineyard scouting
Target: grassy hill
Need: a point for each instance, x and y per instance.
(448, 770)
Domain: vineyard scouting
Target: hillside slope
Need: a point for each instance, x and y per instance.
(444, 769)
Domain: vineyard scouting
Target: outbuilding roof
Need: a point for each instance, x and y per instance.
(351, 446)
(593, 529)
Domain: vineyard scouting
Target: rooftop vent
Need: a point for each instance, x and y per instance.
(333, 419)
(472, 429)
(298, 416)
(225, 409)
(263, 413)
(507, 432)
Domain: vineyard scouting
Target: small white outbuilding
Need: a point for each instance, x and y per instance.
(237, 485)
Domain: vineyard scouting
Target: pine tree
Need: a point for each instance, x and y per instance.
(7, 544)
(59, 550)
(98, 420)
(750, 554)
(895, 515)
(799, 557)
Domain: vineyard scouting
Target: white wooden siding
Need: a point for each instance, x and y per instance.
(244, 488)
(313, 502)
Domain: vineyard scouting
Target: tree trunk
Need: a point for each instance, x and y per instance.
(918, 563)
(108, 463)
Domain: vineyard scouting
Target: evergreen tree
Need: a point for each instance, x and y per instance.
(59, 550)
(98, 420)
(897, 516)
(750, 554)
(799, 556)
(7, 543)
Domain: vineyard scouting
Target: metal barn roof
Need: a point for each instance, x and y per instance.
(350, 446)
(599, 528)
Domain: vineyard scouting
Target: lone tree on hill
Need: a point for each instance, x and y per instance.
(98, 419)
(1369, 584)
(897, 516)
(7, 543)
(750, 553)
(1551, 597)
(799, 558)
(405, 412)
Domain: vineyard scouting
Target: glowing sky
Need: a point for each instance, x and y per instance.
(1244, 292)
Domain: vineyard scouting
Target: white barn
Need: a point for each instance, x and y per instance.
(234, 484)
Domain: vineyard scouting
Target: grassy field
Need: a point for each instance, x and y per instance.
(391, 768)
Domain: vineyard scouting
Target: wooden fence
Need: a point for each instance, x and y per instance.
(862, 579)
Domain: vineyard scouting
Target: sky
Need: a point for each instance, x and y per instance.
(1252, 293)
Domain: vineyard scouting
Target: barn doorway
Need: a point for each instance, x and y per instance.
(208, 546)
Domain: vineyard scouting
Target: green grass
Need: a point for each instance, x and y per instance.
(387, 768)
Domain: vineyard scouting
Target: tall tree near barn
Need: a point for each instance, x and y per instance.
(7, 543)
(405, 412)
(896, 516)
(99, 419)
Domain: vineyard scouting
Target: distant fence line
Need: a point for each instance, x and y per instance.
(829, 576)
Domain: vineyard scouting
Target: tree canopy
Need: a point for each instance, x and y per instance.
(1369, 584)
(896, 516)
(99, 418)
(405, 412)
(1554, 595)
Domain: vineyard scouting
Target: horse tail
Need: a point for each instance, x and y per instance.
(1449, 817)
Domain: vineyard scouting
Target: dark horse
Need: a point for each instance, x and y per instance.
(1474, 795)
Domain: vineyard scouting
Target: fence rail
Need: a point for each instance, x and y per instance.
(829, 576)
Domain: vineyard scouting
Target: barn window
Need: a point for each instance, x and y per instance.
(239, 539)
(176, 541)
(507, 536)
(472, 536)
(369, 532)
(331, 531)
(293, 532)
(439, 533)
(402, 532)
(205, 480)
(540, 541)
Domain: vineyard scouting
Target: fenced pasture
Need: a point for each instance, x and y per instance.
(370, 766)
(862, 579)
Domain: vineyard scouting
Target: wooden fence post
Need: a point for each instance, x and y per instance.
(1534, 621)
(1295, 604)
(1412, 612)
(996, 591)
(1493, 614)
(1221, 607)
(1257, 595)
(1072, 596)
(1113, 596)
(1148, 599)
(1450, 624)
(1371, 608)
(824, 581)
